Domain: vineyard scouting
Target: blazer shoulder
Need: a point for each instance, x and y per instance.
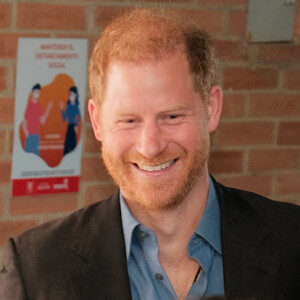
(260, 245)
(280, 215)
(76, 257)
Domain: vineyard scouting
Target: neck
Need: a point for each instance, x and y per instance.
(175, 227)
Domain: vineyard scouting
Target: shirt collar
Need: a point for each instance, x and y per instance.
(129, 222)
(208, 228)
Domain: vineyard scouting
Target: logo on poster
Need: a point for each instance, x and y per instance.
(62, 186)
(29, 187)
(43, 186)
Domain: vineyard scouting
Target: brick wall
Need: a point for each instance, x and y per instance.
(257, 146)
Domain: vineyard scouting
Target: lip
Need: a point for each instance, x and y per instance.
(159, 167)
(155, 169)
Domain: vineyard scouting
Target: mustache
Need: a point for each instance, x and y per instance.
(162, 157)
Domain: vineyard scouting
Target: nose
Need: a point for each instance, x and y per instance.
(151, 140)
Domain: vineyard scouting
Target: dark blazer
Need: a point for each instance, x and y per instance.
(83, 255)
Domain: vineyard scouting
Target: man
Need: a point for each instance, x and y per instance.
(172, 232)
(33, 119)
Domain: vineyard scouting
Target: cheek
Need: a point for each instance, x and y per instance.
(189, 138)
(117, 144)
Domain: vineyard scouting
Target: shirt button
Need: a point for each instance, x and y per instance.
(196, 241)
(142, 234)
(159, 276)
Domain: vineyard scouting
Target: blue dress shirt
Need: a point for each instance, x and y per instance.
(149, 281)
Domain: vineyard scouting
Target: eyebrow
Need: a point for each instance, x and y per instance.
(176, 108)
(120, 111)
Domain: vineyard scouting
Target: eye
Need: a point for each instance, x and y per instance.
(130, 121)
(173, 119)
(127, 123)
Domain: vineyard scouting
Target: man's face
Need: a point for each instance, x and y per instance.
(154, 130)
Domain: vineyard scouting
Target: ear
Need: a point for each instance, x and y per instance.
(94, 112)
(214, 107)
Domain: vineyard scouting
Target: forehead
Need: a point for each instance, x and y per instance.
(177, 58)
(153, 74)
(167, 82)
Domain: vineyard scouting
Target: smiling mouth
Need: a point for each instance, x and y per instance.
(156, 168)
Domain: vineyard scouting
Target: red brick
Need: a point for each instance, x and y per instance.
(2, 141)
(288, 184)
(105, 14)
(11, 140)
(14, 78)
(237, 22)
(93, 169)
(274, 105)
(90, 143)
(5, 15)
(51, 16)
(98, 192)
(1, 204)
(289, 133)
(5, 169)
(233, 105)
(9, 43)
(292, 79)
(6, 110)
(245, 133)
(279, 52)
(297, 25)
(164, 1)
(230, 50)
(273, 159)
(224, 2)
(258, 184)
(250, 78)
(226, 162)
(3, 80)
(211, 20)
(10, 229)
(43, 204)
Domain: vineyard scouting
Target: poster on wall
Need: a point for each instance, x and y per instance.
(49, 115)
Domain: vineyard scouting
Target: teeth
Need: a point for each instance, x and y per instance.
(155, 168)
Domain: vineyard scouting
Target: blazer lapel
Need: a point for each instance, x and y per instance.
(98, 266)
(250, 265)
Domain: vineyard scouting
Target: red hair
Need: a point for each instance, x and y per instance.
(152, 34)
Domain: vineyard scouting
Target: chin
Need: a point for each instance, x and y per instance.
(160, 202)
(161, 196)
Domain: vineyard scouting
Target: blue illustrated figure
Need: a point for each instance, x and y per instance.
(72, 114)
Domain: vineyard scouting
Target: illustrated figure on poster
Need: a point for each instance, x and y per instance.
(72, 113)
(33, 119)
